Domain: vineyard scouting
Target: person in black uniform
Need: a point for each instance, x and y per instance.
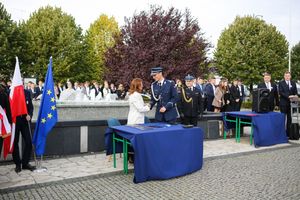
(4, 102)
(287, 91)
(22, 125)
(272, 87)
(164, 95)
(190, 103)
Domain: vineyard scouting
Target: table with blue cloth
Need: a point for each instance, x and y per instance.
(161, 151)
(267, 128)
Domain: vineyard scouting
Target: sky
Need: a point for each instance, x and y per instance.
(213, 15)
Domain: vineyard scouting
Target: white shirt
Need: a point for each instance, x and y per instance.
(214, 88)
(268, 86)
(161, 82)
(137, 109)
(240, 89)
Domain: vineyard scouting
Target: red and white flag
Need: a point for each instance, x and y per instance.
(5, 127)
(17, 106)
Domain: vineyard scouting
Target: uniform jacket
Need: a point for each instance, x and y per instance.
(164, 96)
(193, 108)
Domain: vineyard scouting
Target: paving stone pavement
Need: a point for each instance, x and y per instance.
(86, 164)
(267, 174)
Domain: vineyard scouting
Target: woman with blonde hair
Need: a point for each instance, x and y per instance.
(137, 107)
(218, 101)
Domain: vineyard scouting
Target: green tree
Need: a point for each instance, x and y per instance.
(295, 61)
(51, 32)
(248, 48)
(10, 43)
(100, 37)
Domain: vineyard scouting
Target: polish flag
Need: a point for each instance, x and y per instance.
(5, 128)
(17, 106)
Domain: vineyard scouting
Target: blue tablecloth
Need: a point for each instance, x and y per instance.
(161, 151)
(268, 128)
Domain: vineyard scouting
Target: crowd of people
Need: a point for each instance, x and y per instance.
(80, 91)
(192, 98)
(173, 100)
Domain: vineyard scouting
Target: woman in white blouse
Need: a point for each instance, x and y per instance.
(137, 108)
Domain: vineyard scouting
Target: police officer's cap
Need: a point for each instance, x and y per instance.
(189, 78)
(156, 70)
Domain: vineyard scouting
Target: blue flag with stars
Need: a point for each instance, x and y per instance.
(47, 117)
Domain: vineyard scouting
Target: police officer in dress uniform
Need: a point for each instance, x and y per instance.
(164, 95)
(190, 104)
(22, 125)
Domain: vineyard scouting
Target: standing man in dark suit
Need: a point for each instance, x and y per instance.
(209, 90)
(164, 95)
(200, 85)
(287, 91)
(39, 88)
(242, 92)
(272, 87)
(22, 125)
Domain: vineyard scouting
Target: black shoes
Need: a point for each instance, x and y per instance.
(18, 169)
(29, 167)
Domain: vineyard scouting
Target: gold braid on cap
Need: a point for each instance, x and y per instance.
(184, 96)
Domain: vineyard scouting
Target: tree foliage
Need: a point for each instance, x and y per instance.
(248, 48)
(295, 62)
(51, 32)
(10, 43)
(168, 38)
(99, 37)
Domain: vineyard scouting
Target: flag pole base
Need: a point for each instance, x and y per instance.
(40, 169)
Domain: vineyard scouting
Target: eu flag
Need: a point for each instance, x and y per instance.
(47, 117)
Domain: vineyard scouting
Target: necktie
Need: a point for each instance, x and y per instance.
(159, 84)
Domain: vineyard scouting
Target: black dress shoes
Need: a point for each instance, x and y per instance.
(18, 169)
(29, 167)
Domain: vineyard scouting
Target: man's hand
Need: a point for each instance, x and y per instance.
(28, 118)
(6, 135)
(162, 109)
(237, 100)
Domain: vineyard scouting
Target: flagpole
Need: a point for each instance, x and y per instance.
(33, 148)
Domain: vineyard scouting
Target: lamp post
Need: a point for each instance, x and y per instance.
(290, 37)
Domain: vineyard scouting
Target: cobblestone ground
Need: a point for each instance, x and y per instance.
(272, 174)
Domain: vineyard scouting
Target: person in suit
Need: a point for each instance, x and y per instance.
(287, 91)
(165, 96)
(200, 85)
(210, 90)
(241, 88)
(190, 103)
(121, 92)
(23, 126)
(32, 90)
(272, 87)
(137, 107)
(39, 88)
(235, 96)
